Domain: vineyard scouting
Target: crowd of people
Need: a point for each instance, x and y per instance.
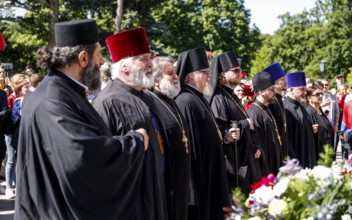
(145, 137)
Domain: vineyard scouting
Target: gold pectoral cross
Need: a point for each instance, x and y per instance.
(185, 140)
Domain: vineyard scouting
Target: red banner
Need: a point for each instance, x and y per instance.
(2, 43)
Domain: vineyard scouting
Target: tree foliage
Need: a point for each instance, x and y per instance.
(324, 33)
(173, 26)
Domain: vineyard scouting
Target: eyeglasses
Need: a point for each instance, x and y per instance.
(204, 71)
(317, 94)
(272, 88)
(325, 84)
(236, 70)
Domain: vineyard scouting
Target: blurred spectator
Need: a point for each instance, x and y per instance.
(29, 70)
(105, 74)
(340, 97)
(34, 80)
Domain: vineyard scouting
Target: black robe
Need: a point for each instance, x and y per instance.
(228, 109)
(68, 165)
(300, 137)
(325, 133)
(123, 109)
(267, 135)
(210, 192)
(278, 110)
(177, 159)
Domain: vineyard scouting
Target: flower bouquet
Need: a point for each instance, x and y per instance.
(323, 192)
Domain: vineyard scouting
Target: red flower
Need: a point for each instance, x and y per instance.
(265, 181)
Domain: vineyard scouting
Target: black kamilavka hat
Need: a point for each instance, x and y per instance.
(191, 61)
(76, 32)
(262, 81)
(222, 63)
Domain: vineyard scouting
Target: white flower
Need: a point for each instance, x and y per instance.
(255, 218)
(321, 172)
(276, 206)
(346, 217)
(264, 194)
(281, 186)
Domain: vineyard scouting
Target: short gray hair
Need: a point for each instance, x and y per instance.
(159, 65)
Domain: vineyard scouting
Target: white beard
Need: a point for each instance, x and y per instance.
(138, 77)
(169, 89)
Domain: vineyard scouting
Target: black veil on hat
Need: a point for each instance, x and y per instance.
(76, 32)
(221, 63)
(262, 80)
(191, 61)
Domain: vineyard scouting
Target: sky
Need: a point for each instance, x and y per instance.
(264, 12)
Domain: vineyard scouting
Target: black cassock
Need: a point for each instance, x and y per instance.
(210, 193)
(228, 109)
(177, 161)
(279, 112)
(267, 135)
(69, 165)
(300, 137)
(123, 109)
(325, 133)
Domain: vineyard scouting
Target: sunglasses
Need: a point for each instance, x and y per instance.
(237, 70)
(317, 94)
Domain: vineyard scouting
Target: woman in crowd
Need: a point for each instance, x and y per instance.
(325, 132)
(21, 88)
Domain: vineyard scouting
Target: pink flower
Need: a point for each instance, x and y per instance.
(210, 54)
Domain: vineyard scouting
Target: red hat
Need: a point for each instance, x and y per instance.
(127, 43)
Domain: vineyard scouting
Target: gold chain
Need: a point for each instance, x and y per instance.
(211, 116)
(283, 114)
(272, 119)
(178, 120)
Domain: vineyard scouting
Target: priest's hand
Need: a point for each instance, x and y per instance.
(145, 137)
(233, 134)
(315, 128)
(257, 154)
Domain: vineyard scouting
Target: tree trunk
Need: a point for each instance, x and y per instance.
(54, 6)
(119, 15)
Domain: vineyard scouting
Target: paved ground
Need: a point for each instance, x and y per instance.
(6, 205)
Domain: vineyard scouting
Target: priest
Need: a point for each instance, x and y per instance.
(277, 106)
(209, 192)
(300, 135)
(174, 135)
(69, 164)
(121, 106)
(241, 154)
(267, 132)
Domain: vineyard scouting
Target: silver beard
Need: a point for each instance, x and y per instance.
(138, 77)
(169, 89)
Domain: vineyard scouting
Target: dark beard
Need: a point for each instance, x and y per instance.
(91, 76)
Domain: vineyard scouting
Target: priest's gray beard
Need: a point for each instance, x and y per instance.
(208, 89)
(91, 76)
(139, 77)
(169, 89)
